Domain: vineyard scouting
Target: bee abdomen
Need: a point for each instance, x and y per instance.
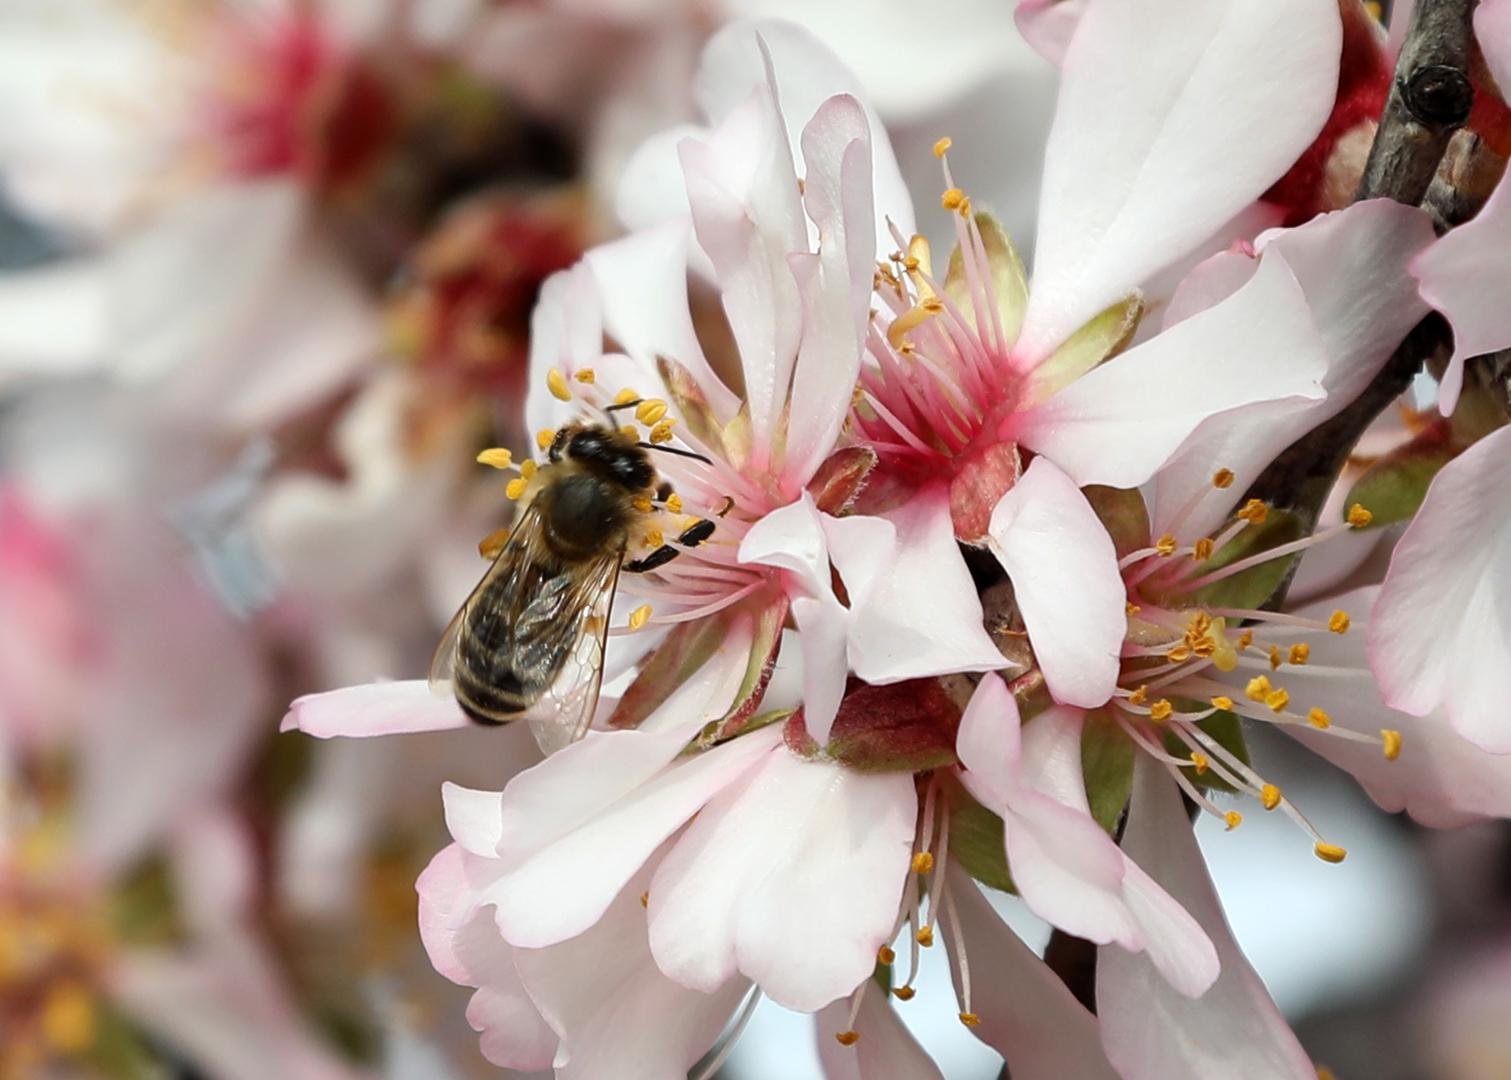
(495, 698)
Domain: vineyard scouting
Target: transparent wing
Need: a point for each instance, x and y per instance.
(565, 713)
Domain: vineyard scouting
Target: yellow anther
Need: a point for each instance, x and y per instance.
(1359, 517)
(1319, 719)
(650, 411)
(640, 616)
(1323, 1072)
(1338, 622)
(1139, 696)
(1258, 688)
(1131, 608)
(1245, 639)
(969, 1019)
(1165, 545)
(516, 487)
(1222, 701)
(586, 376)
(942, 146)
(1200, 762)
(1180, 654)
(69, 1020)
(904, 993)
(1392, 741)
(964, 209)
(1232, 819)
(630, 432)
(911, 263)
(654, 538)
(925, 936)
(1254, 512)
(528, 468)
(1269, 796)
(1330, 852)
(1277, 700)
(1300, 654)
(952, 199)
(490, 546)
(1160, 711)
(847, 1038)
(1275, 658)
(674, 503)
(544, 438)
(662, 432)
(1202, 549)
(643, 503)
(556, 382)
(923, 862)
(1222, 478)
(645, 899)
(496, 458)
(884, 955)
(625, 396)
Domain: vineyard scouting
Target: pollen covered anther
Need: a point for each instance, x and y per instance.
(516, 487)
(847, 1038)
(1165, 545)
(640, 616)
(1201, 551)
(1331, 853)
(544, 438)
(904, 993)
(1277, 699)
(490, 546)
(556, 382)
(586, 376)
(625, 396)
(952, 198)
(1269, 796)
(1300, 654)
(942, 146)
(923, 862)
(1258, 688)
(1319, 719)
(674, 503)
(496, 458)
(1358, 517)
(650, 411)
(1391, 741)
(1222, 701)
(1338, 622)
(925, 936)
(969, 1019)
(1161, 710)
(1200, 762)
(1222, 478)
(528, 468)
(1232, 819)
(1255, 512)
(662, 432)
(885, 955)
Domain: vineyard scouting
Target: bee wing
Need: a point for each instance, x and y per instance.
(513, 564)
(566, 712)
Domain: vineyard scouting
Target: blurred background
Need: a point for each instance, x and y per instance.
(266, 272)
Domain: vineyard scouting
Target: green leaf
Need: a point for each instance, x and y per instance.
(1227, 729)
(976, 839)
(1392, 489)
(1123, 514)
(1252, 587)
(1107, 765)
(1009, 284)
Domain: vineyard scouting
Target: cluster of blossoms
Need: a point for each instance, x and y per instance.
(985, 597)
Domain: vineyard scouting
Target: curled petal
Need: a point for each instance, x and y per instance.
(383, 708)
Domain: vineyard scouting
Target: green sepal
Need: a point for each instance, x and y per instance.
(1252, 587)
(1107, 766)
(1009, 284)
(1227, 730)
(1123, 514)
(976, 838)
(1393, 487)
(1106, 335)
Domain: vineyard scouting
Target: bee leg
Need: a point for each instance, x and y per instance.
(691, 537)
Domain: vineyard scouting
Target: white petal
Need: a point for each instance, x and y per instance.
(1052, 545)
(381, 708)
(1149, 1030)
(792, 539)
(824, 626)
(886, 1049)
(1152, 147)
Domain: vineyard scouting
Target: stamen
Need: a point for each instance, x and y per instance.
(650, 411)
(1392, 743)
(885, 955)
(1160, 711)
(544, 438)
(1277, 700)
(1201, 551)
(516, 487)
(490, 546)
(496, 458)
(1222, 478)
(1255, 512)
(1257, 689)
(1358, 517)
(586, 376)
(640, 616)
(967, 1017)
(952, 199)
(674, 503)
(556, 382)
(738, 1029)
(528, 468)
(1338, 622)
(625, 396)
(1269, 796)
(1330, 852)
(1165, 545)
(923, 862)
(1232, 819)
(642, 503)
(942, 146)
(1300, 653)
(1222, 701)
(662, 432)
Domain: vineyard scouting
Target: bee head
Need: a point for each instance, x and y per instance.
(610, 455)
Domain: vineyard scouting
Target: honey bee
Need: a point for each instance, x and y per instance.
(533, 630)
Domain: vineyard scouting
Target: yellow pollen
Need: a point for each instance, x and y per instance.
(952, 199)
(650, 411)
(925, 936)
(933, 305)
(942, 146)
(642, 503)
(489, 546)
(496, 458)
(1202, 549)
(1358, 517)
(965, 207)
(884, 955)
(640, 616)
(1323, 1072)
(923, 862)
(1254, 512)
(516, 487)
(1222, 701)
(911, 263)
(654, 538)
(1245, 639)
(1180, 654)
(1160, 711)
(1131, 608)
(969, 1019)
(1338, 623)
(528, 468)
(662, 432)
(1165, 545)
(1222, 478)
(1319, 719)
(625, 396)
(847, 1038)
(1392, 741)
(1258, 688)
(1330, 852)
(1300, 654)
(544, 438)
(68, 1018)
(674, 503)
(1232, 819)
(645, 899)
(1277, 700)
(1275, 659)
(1200, 762)
(1139, 696)
(556, 382)
(904, 993)
(1269, 796)
(586, 376)
(630, 431)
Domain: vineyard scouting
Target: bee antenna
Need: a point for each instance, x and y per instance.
(610, 409)
(674, 450)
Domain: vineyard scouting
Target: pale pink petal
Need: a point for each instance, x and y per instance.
(475, 819)
(886, 1049)
(1351, 266)
(566, 333)
(1027, 1014)
(564, 885)
(1052, 545)
(617, 1014)
(1153, 145)
(1120, 422)
(791, 538)
(1492, 27)
(214, 866)
(920, 615)
(1463, 276)
(791, 878)
(1149, 1030)
(1441, 779)
(651, 189)
(1048, 25)
(989, 742)
(383, 708)
(824, 627)
(1441, 632)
